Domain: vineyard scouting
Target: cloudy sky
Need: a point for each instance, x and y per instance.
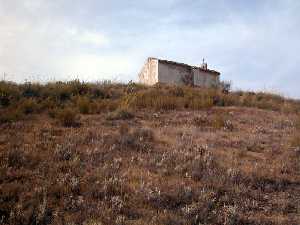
(255, 44)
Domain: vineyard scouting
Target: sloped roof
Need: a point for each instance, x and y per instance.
(187, 65)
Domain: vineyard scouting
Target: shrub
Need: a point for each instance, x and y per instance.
(225, 86)
(132, 87)
(198, 103)
(53, 112)
(167, 103)
(47, 104)
(290, 106)
(108, 96)
(120, 114)
(231, 216)
(77, 87)
(59, 91)
(31, 89)
(9, 92)
(98, 92)
(153, 98)
(62, 92)
(247, 99)
(84, 105)
(230, 99)
(198, 98)
(105, 105)
(218, 121)
(16, 158)
(10, 115)
(68, 117)
(28, 106)
(137, 139)
(177, 91)
(268, 101)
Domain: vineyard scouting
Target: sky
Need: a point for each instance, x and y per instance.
(254, 44)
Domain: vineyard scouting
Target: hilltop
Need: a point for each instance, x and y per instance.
(105, 153)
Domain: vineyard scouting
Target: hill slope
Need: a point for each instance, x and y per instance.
(146, 164)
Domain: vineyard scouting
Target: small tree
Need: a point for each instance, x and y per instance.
(225, 86)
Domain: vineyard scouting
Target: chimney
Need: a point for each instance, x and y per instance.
(204, 64)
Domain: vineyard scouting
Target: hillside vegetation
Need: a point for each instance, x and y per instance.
(106, 153)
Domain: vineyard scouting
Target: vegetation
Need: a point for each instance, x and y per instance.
(296, 139)
(93, 98)
(120, 114)
(68, 117)
(103, 153)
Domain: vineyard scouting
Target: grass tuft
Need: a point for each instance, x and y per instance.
(120, 114)
(68, 117)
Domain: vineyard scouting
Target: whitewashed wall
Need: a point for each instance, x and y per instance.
(171, 73)
(149, 73)
(156, 70)
(202, 78)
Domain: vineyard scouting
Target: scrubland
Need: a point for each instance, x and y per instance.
(106, 153)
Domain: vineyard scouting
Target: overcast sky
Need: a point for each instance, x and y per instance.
(255, 44)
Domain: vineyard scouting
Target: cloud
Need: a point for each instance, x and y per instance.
(46, 49)
(255, 44)
(93, 38)
(96, 39)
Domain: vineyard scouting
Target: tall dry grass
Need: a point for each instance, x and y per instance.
(90, 98)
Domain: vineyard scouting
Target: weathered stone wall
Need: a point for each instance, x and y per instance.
(201, 78)
(172, 73)
(149, 73)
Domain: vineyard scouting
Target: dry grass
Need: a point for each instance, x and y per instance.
(94, 98)
(120, 114)
(68, 117)
(176, 162)
(84, 105)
